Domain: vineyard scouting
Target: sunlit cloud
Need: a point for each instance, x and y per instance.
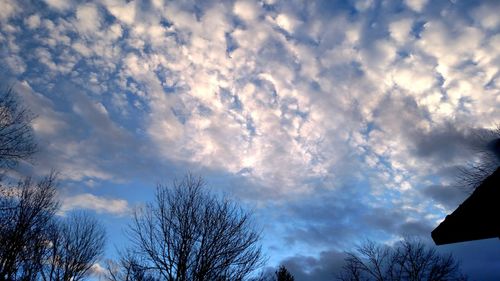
(95, 203)
(288, 101)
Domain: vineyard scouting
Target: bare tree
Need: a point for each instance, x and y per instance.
(351, 270)
(25, 214)
(35, 245)
(410, 260)
(486, 150)
(16, 135)
(129, 268)
(414, 261)
(282, 274)
(189, 234)
(371, 260)
(76, 244)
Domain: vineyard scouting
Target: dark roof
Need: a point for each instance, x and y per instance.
(478, 217)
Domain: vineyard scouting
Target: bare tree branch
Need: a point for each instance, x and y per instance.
(16, 135)
(188, 234)
(410, 260)
(76, 243)
(486, 161)
(26, 212)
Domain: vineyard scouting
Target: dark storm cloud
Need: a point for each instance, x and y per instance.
(479, 260)
(449, 196)
(325, 218)
(324, 268)
(343, 215)
(415, 228)
(448, 142)
(399, 114)
(454, 142)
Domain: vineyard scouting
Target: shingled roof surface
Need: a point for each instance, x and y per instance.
(478, 217)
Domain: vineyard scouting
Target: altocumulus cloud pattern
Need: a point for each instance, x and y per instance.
(337, 120)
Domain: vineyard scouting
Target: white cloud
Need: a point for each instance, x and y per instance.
(416, 5)
(124, 11)
(287, 22)
(88, 18)
(98, 270)
(363, 5)
(95, 203)
(400, 30)
(47, 125)
(414, 76)
(115, 31)
(247, 10)
(16, 64)
(9, 8)
(59, 133)
(45, 56)
(487, 15)
(81, 48)
(33, 21)
(437, 39)
(61, 5)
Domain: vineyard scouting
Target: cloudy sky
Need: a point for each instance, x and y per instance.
(334, 121)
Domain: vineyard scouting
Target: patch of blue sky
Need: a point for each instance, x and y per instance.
(417, 28)
(330, 8)
(250, 126)
(232, 100)
(231, 43)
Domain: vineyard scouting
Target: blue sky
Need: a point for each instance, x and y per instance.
(334, 121)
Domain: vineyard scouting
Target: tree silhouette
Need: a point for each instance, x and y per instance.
(16, 135)
(129, 268)
(486, 160)
(75, 245)
(26, 212)
(34, 243)
(410, 260)
(189, 234)
(282, 274)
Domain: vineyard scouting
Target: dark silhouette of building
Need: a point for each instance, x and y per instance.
(478, 217)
